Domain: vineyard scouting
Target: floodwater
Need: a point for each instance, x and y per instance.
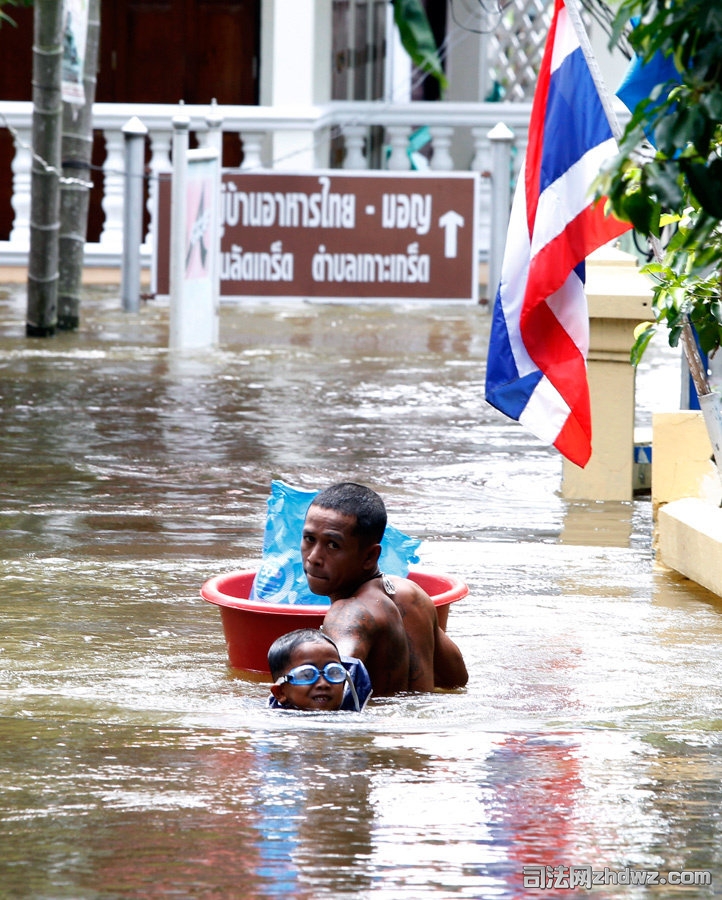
(135, 763)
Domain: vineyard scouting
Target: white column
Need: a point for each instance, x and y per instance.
(295, 71)
(159, 163)
(482, 163)
(177, 333)
(21, 166)
(501, 139)
(441, 136)
(398, 138)
(467, 64)
(397, 73)
(467, 67)
(252, 146)
(354, 137)
(214, 141)
(111, 238)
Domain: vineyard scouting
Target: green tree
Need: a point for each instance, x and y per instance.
(6, 17)
(667, 178)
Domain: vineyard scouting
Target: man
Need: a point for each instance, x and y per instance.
(387, 622)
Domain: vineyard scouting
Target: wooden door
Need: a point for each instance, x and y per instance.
(163, 51)
(151, 51)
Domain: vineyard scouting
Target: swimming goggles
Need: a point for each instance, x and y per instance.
(333, 672)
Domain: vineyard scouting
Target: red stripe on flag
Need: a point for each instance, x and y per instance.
(565, 367)
(574, 442)
(554, 351)
(551, 265)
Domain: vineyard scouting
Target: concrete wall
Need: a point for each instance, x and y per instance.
(686, 493)
(682, 464)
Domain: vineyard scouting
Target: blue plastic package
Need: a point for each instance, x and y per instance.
(280, 577)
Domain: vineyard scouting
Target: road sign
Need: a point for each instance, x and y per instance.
(324, 234)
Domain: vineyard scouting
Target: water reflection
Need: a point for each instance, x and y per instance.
(134, 763)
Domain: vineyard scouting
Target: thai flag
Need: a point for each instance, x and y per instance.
(537, 371)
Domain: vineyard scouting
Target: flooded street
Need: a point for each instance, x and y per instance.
(135, 764)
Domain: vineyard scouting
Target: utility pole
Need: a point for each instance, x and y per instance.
(42, 298)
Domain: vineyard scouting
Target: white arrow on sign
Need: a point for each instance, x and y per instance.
(450, 222)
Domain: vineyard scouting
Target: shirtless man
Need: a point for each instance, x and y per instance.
(388, 622)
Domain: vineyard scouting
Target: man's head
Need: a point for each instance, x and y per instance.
(360, 502)
(307, 671)
(341, 541)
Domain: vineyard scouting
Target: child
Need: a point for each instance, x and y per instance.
(308, 673)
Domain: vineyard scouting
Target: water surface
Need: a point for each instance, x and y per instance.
(135, 763)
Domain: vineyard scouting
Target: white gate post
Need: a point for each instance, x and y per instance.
(214, 141)
(501, 138)
(134, 132)
(181, 128)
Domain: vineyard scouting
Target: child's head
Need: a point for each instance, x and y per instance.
(307, 671)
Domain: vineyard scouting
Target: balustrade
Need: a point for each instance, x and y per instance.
(298, 138)
(111, 238)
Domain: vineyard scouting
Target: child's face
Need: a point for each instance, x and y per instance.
(320, 695)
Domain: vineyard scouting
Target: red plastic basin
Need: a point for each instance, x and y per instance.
(251, 627)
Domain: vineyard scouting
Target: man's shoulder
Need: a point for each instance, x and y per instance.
(370, 604)
(409, 590)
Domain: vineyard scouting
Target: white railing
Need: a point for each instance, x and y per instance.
(297, 139)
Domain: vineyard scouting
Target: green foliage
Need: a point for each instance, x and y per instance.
(4, 17)
(417, 38)
(682, 174)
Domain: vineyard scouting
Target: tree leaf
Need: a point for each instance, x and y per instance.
(706, 184)
(417, 38)
(639, 208)
(641, 342)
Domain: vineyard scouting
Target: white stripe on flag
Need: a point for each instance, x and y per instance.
(565, 40)
(546, 412)
(564, 199)
(569, 305)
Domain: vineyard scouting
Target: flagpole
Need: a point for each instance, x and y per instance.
(708, 401)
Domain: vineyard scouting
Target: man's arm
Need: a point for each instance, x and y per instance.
(449, 666)
(375, 636)
(436, 661)
(351, 628)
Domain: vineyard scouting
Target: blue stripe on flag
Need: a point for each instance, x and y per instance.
(512, 398)
(575, 121)
(504, 388)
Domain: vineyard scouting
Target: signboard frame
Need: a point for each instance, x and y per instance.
(412, 243)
